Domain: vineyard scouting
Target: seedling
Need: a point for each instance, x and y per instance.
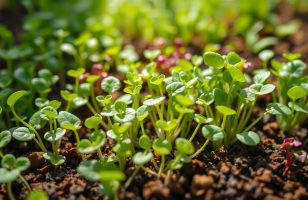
(292, 91)
(163, 148)
(108, 174)
(24, 133)
(11, 169)
(5, 138)
(96, 140)
(184, 149)
(225, 89)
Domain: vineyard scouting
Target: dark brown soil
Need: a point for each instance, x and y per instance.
(239, 173)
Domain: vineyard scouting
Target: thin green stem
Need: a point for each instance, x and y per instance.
(223, 122)
(194, 133)
(25, 182)
(1, 154)
(149, 171)
(68, 106)
(201, 149)
(76, 85)
(159, 113)
(9, 191)
(42, 146)
(100, 154)
(254, 123)
(142, 128)
(94, 102)
(131, 178)
(162, 165)
(155, 164)
(76, 136)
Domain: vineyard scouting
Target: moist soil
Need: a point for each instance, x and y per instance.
(238, 173)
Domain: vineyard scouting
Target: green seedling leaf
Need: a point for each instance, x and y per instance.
(67, 96)
(93, 122)
(23, 134)
(121, 128)
(5, 138)
(151, 54)
(15, 97)
(297, 92)
(104, 101)
(200, 119)
(236, 74)
(185, 101)
(76, 73)
(260, 89)
(39, 102)
(55, 104)
(266, 55)
(184, 146)
(213, 133)
(249, 138)
(197, 60)
(48, 113)
(291, 56)
(225, 110)
(120, 107)
(154, 101)
(94, 170)
(52, 136)
(206, 98)
(7, 176)
(162, 147)
(110, 84)
(5, 80)
(133, 90)
(128, 116)
(299, 107)
(95, 142)
(92, 79)
(294, 69)
(37, 195)
(247, 96)
(175, 88)
(261, 76)
(68, 121)
(123, 148)
(214, 60)
(234, 59)
(145, 142)
(22, 164)
(183, 110)
(220, 96)
(278, 109)
(141, 158)
(157, 80)
(166, 126)
(142, 112)
(10, 162)
(55, 159)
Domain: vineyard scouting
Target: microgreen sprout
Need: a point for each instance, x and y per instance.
(28, 132)
(292, 91)
(11, 169)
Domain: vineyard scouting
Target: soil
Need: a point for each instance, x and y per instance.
(238, 173)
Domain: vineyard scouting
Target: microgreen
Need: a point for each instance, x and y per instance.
(11, 169)
(26, 132)
(108, 174)
(292, 91)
